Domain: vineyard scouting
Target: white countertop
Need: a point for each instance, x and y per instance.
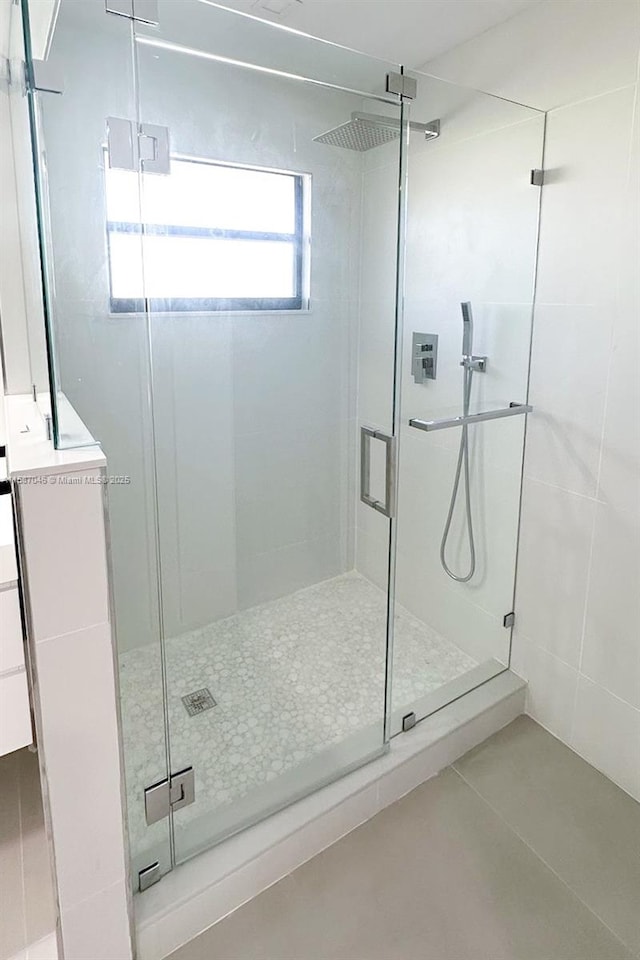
(30, 453)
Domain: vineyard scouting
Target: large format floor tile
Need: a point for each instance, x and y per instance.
(439, 875)
(583, 826)
(27, 906)
(12, 912)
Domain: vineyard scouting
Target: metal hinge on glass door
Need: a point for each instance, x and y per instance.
(402, 85)
(142, 146)
(177, 791)
(144, 11)
(44, 76)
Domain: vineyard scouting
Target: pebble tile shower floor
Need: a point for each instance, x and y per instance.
(290, 678)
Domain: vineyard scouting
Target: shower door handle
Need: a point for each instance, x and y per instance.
(386, 506)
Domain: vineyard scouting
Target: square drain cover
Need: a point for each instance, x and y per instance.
(198, 701)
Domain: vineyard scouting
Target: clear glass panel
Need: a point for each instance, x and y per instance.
(102, 361)
(185, 28)
(21, 255)
(257, 412)
(472, 225)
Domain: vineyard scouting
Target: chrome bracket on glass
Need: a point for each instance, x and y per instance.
(144, 11)
(386, 506)
(45, 76)
(403, 86)
(146, 148)
(513, 410)
(178, 791)
(149, 876)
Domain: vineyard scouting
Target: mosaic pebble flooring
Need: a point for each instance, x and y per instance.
(291, 677)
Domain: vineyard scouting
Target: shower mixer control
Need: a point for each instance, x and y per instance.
(424, 357)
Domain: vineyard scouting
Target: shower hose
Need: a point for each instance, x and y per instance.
(463, 462)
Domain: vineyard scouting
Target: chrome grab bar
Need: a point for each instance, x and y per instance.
(513, 410)
(387, 506)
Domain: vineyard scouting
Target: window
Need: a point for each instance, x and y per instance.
(217, 237)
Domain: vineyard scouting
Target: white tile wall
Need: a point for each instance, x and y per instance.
(580, 556)
(68, 593)
(94, 928)
(606, 731)
(578, 636)
(570, 342)
(64, 568)
(80, 741)
(611, 647)
(552, 685)
(553, 568)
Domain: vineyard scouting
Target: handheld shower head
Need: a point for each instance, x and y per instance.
(467, 329)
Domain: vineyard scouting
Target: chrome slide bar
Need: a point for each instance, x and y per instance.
(513, 410)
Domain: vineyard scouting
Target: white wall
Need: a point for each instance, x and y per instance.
(577, 640)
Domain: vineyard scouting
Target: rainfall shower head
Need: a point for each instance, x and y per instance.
(367, 130)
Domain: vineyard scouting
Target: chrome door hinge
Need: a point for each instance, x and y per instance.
(144, 11)
(42, 75)
(161, 798)
(537, 178)
(143, 146)
(409, 721)
(149, 876)
(509, 619)
(403, 86)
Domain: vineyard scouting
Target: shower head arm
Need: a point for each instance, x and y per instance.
(431, 130)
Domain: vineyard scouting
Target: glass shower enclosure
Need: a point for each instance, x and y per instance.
(228, 249)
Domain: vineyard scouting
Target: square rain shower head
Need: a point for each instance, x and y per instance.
(362, 132)
(367, 130)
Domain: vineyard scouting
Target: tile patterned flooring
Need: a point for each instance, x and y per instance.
(520, 851)
(27, 909)
(291, 678)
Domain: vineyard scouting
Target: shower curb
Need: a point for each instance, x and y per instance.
(212, 885)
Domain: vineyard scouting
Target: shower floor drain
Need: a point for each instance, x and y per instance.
(198, 701)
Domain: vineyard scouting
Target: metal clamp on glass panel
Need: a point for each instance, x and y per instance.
(513, 410)
(387, 506)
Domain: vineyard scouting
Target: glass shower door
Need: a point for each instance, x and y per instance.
(472, 228)
(269, 202)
